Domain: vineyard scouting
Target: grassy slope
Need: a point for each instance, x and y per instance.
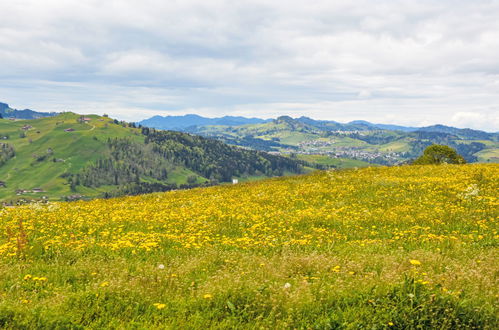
(403, 247)
(337, 162)
(77, 149)
(488, 156)
(286, 134)
(290, 136)
(396, 146)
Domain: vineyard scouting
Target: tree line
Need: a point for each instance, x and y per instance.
(135, 168)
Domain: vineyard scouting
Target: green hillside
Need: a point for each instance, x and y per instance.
(76, 156)
(286, 135)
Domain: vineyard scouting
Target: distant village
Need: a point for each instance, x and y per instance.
(328, 148)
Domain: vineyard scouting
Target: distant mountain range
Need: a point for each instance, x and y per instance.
(358, 140)
(8, 112)
(180, 123)
(386, 126)
(191, 121)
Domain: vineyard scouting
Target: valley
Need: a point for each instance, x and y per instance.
(360, 141)
(68, 156)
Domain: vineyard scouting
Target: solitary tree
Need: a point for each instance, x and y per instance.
(439, 154)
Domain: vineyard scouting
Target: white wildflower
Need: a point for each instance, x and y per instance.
(472, 190)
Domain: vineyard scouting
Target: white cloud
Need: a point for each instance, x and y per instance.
(364, 94)
(481, 119)
(398, 61)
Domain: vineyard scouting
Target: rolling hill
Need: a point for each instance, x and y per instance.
(359, 140)
(72, 156)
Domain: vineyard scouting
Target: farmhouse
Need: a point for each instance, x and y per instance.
(21, 191)
(83, 119)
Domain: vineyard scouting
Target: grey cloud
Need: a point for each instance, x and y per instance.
(399, 61)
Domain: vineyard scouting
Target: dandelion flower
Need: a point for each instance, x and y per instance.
(207, 296)
(159, 305)
(415, 262)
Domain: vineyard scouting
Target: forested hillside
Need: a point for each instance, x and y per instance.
(359, 140)
(72, 157)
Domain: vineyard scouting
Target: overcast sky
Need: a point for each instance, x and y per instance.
(405, 62)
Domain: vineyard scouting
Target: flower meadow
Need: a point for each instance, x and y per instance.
(380, 247)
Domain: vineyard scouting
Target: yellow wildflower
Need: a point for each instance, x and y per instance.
(159, 305)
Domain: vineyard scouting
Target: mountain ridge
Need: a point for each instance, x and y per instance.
(358, 140)
(7, 112)
(190, 120)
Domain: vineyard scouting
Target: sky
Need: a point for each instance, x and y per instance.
(387, 61)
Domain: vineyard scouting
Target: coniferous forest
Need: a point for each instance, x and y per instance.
(136, 168)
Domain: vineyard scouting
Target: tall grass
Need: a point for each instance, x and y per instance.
(404, 247)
